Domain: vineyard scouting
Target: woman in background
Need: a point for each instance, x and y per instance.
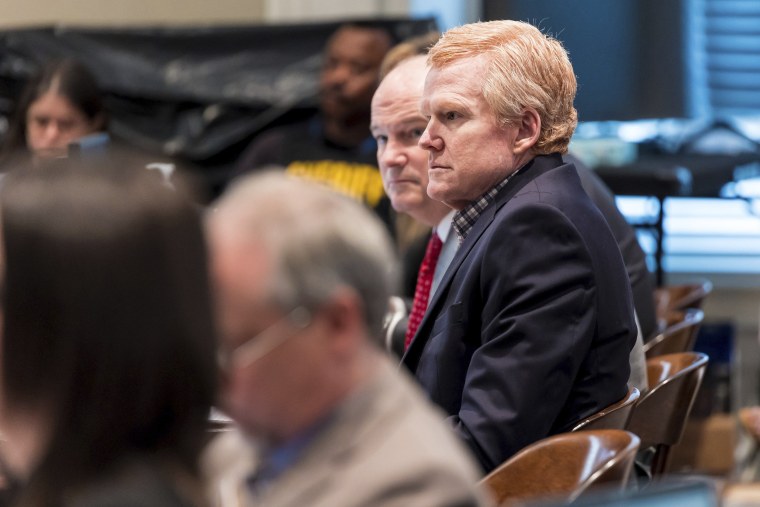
(107, 370)
(59, 105)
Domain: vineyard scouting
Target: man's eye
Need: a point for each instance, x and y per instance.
(416, 133)
(357, 70)
(381, 139)
(451, 115)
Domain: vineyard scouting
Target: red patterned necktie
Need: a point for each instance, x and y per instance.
(422, 291)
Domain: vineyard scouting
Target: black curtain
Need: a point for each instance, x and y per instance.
(197, 94)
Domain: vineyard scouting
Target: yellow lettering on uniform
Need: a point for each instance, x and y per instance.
(375, 190)
(317, 171)
(337, 174)
(365, 176)
(360, 181)
(343, 179)
(296, 168)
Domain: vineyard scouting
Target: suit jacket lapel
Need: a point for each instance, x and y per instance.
(533, 169)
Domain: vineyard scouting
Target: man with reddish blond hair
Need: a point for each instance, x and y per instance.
(530, 328)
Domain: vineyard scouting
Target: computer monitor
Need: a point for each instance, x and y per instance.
(686, 493)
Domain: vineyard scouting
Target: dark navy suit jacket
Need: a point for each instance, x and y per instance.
(532, 325)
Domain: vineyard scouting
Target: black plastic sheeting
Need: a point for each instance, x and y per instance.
(197, 94)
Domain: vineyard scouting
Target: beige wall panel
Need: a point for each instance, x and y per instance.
(17, 13)
(298, 11)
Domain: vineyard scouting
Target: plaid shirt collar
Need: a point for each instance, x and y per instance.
(465, 218)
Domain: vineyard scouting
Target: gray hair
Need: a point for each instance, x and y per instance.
(319, 240)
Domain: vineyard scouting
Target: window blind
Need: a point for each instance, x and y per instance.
(731, 38)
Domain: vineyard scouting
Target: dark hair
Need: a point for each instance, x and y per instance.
(383, 26)
(70, 79)
(107, 320)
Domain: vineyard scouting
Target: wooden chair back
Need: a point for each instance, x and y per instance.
(659, 417)
(614, 417)
(681, 297)
(679, 335)
(564, 466)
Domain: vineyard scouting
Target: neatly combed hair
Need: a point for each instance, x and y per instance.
(414, 46)
(107, 320)
(526, 69)
(319, 240)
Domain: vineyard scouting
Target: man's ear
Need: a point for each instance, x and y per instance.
(343, 315)
(528, 131)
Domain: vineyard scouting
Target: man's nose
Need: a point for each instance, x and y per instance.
(393, 155)
(429, 140)
(338, 75)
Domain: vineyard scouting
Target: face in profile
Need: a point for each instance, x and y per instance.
(52, 122)
(270, 366)
(350, 73)
(397, 125)
(470, 152)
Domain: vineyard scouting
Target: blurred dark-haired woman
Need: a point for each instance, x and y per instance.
(59, 105)
(107, 370)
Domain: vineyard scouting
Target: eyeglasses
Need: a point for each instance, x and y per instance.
(261, 344)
